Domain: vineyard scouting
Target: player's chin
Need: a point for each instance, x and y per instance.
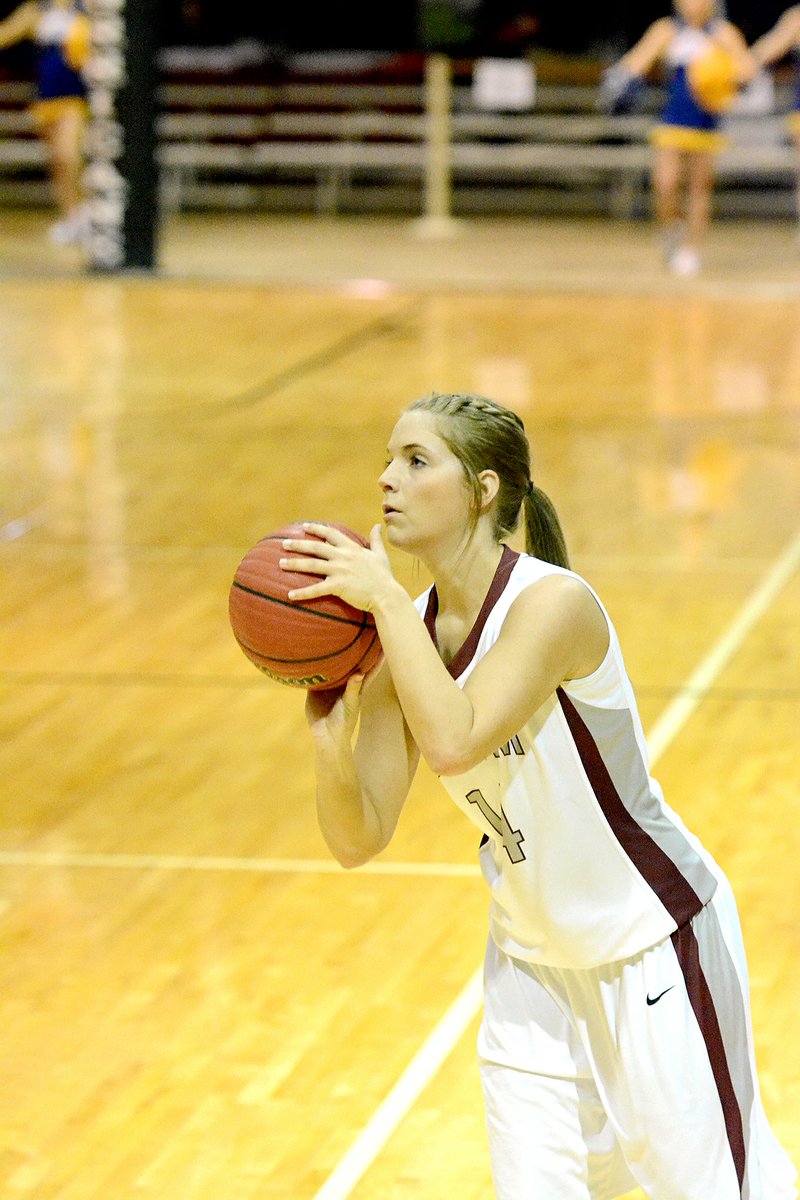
(395, 535)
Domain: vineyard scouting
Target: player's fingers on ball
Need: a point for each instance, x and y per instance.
(308, 593)
(305, 566)
(352, 693)
(297, 546)
(326, 532)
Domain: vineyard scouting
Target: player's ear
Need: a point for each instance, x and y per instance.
(490, 486)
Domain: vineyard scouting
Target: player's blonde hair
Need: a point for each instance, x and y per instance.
(483, 435)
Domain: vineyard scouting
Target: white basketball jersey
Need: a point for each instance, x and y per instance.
(690, 42)
(53, 26)
(585, 861)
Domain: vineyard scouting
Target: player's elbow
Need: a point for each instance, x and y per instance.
(454, 746)
(453, 760)
(455, 766)
(354, 852)
(351, 861)
(350, 856)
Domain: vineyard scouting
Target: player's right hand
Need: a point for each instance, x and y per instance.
(620, 91)
(334, 713)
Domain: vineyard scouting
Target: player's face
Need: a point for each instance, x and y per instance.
(696, 12)
(426, 499)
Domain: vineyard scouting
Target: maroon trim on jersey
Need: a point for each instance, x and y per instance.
(657, 868)
(465, 654)
(688, 954)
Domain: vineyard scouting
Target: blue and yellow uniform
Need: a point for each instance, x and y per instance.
(62, 43)
(794, 115)
(687, 123)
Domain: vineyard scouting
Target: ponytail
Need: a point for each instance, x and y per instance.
(483, 434)
(544, 536)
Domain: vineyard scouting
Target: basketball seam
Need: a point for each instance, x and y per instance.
(312, 658)
(299, 607)
(369, 647)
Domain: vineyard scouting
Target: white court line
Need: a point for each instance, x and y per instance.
(426, 1062)
(709, 670)
(266, 866)
(410, 1085)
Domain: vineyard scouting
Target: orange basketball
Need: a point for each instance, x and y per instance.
(712, 79)
(78, 42)
(314, 644)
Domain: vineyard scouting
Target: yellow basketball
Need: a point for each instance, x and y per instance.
(712, 79)
(78, 42)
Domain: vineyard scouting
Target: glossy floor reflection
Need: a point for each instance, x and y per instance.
(196, 1002)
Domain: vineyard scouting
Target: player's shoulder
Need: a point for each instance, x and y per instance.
(557, 588)
(539, 588)
(665, 28)
(528, 569)
(727, 29)
(30, 9)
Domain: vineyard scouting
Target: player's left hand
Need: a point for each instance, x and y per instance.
(356, 573)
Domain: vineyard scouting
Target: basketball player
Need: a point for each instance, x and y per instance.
(60, 31)
(773, 46)
(687, 138)
(615, 1047)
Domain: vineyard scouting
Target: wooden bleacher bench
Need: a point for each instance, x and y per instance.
(327, 145)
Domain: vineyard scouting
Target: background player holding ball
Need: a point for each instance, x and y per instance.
(615, 1047)
(707, 60)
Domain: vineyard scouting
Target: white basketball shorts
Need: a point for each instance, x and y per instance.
(636, 1074)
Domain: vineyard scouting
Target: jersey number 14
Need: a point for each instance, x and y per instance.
(512, 839)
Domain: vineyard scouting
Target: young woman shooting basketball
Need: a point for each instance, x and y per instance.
(615, 1047)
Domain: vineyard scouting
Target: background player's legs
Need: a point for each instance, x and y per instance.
(666, 183)
(700, 185)
(549, 1137)
(64, 137)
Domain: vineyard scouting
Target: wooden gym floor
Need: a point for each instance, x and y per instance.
(196, 1003)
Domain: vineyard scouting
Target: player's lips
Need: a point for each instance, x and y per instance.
(390, 511)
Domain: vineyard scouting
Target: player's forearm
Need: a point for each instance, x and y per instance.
(348, 822)
(771, 47)
(436, 710)
(19, 26)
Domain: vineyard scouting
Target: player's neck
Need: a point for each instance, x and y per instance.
(464, 578)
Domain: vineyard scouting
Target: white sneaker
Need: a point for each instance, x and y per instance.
(671, 239)
(62, 233)
(685, 262)
(70, 230)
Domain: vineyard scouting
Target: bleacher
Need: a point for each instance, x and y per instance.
(306, 139)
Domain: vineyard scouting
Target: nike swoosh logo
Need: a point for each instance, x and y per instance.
(656, 999)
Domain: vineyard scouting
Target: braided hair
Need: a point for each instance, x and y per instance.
(483, 435)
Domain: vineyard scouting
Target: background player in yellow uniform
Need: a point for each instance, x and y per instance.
(60, 31)
(707, 58)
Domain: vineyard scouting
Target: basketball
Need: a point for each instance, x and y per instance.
(712, 79)
(314, 644)
(78, 42)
